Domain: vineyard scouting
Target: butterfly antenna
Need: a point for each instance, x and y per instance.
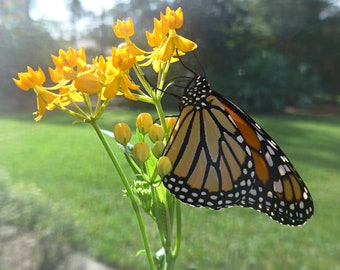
(179, 58)
(200, 64)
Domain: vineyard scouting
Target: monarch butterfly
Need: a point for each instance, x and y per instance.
(221, 157)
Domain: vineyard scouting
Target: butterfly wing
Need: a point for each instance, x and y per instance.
(278, 190)
(221, 157)
(210, 159)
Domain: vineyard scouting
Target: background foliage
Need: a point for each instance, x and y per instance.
(262, 54)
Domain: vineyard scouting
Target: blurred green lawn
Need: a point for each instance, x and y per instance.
(55, 177)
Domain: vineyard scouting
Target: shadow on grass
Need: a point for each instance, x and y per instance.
(27, 211)
(309, 139)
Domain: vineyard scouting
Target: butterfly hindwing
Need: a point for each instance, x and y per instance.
(278, 190)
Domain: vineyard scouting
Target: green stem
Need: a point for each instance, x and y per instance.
(129, 192)
(161, 116)
(162, 77)
(178, 229)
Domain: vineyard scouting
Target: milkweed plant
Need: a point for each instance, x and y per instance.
(83, 89)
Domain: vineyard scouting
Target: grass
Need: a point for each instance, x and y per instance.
(55, 178)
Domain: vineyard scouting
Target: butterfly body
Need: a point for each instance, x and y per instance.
(221, 157)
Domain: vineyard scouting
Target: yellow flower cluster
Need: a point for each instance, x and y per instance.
(84, 88)
(141, 150)
(75, 79)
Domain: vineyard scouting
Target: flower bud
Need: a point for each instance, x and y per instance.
(88, 83)
(143, 191)
(158, 149)
(170, 123)
(141, 151)
(144, 122)
(156, 133)
(164, 166)
(122, 133)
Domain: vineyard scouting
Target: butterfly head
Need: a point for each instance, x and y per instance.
(196, 91)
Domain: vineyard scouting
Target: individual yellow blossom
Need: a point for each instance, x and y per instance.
(156, 133)
(100, 63)
(117, 74)
(158, 149)
(122, 59)
(144, 122)
(67, 64)
(164, 166)
(30, 79)
(45, 101)
(68, 59)
(123, 29)
(174, 42)
(155, 40)
(170, 123)
(122, 133)
(71, 58)
(158, 35)
(88, 82)
(175, 18)
(69, 73)
(67, 94)
(141, 151)
(120, 82)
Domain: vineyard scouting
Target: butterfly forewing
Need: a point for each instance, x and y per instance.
(210, 159)
(221, 157)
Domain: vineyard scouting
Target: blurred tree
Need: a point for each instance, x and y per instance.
(23, 43)
(268, 82)
(222, 31)
(77, 13)
(291, 40)
(307, 32)
(12, 12)
(252, 47)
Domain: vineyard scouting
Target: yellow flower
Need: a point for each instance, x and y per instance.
(122, 133)
(45, 101)
(175, 18)
(88, 82)
(67, 64)
(120, 82)
(165, 40)
(164, 166)
(156, 133)
(144, 122)
(100, 63)
(141, 151)
(122, 59)
(34, 79)
(69, 73)
(123, 29)
(67, 94)
(117, 74)
(30, 79)
(174, 42)
(170, 123)
(158, 34)
(158, 149)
